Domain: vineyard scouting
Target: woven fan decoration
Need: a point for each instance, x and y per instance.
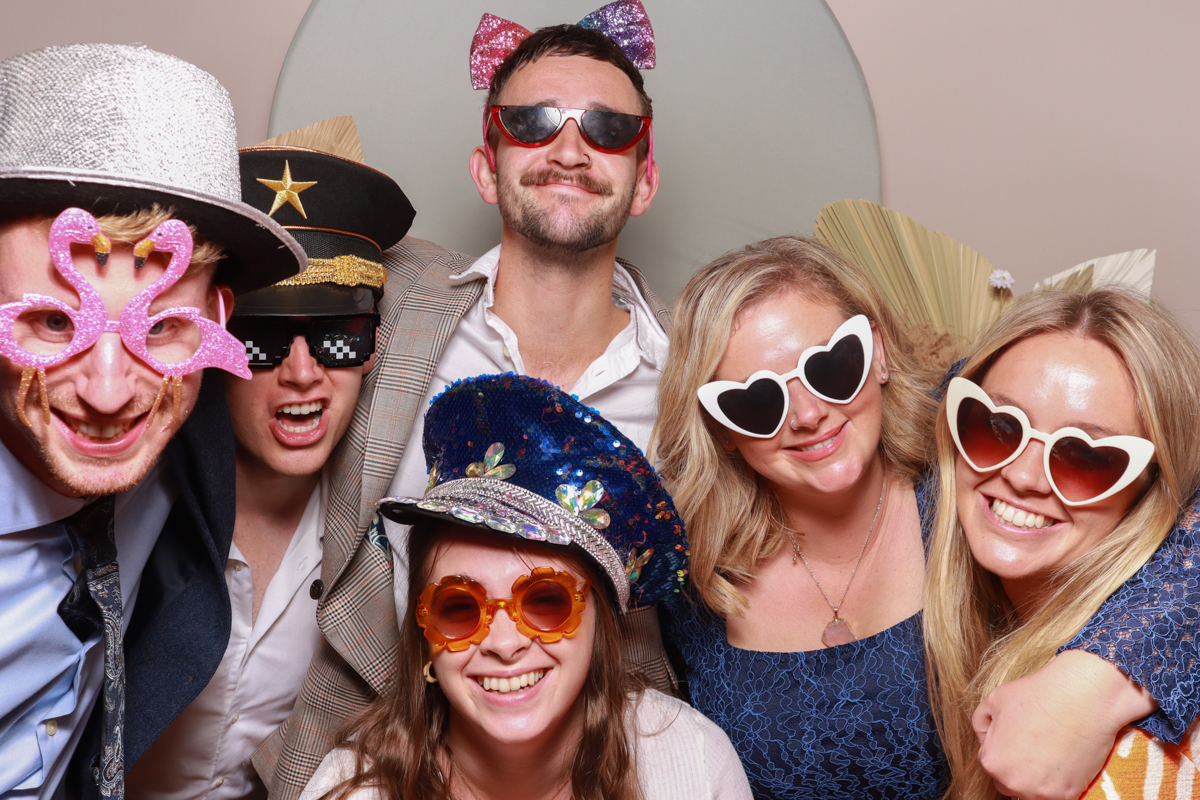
(947, 292)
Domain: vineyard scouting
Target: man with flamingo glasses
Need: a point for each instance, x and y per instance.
(122, 242)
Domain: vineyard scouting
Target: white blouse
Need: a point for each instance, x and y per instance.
(681, 755)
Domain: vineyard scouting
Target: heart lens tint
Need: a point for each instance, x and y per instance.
(1080, 470)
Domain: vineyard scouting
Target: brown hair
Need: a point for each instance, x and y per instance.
(974, 640)
(734, 519)
(133, 227)
(571, 40)
(399, 741)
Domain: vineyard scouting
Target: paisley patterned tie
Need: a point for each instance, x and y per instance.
(93, 606)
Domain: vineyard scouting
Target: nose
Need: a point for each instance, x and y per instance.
(569, 150)
(300, 369)
(107, 381)
(504, 641)
(1027, 472)
(806, 410)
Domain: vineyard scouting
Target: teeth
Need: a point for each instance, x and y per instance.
(504, 685)
(1019, 518)
(300, 409)
(100, 431)
(308, 426)
(817, 446)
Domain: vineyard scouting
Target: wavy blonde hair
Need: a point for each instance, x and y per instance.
(734, 519)
(974, 641)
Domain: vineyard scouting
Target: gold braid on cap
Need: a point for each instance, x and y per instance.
(343, 270)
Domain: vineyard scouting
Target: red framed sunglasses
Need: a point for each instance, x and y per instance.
(537, 126)
(545, 605)
(1080, 469)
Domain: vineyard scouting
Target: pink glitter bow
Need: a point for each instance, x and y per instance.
(623, 21)
(216, 347)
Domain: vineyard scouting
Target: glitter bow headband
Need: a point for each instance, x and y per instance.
(623, 21)
(198, 341)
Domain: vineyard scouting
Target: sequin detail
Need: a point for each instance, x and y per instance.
(634, 564)
(626, 23)
(623, 21)
(491, 467)
(581, 503)
(531, 516)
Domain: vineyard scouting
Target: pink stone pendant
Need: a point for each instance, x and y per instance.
(837, 632)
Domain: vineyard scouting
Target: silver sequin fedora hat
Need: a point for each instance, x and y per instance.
(115, 128)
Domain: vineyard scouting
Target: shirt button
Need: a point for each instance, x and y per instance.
(219, 781)
(505, 351)
(78, 565)
(316, 589)
(237, 567)
(236, 716)
(51, 727)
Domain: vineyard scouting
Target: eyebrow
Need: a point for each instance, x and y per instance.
(1090, 428)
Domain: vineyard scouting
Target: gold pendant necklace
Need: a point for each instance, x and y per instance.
(838, 631)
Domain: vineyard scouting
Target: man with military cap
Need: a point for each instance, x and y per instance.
(309, 340)
(122, 241)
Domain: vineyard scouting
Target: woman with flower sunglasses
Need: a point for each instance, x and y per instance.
(1039, 525)
(541, 525)
(795, 433)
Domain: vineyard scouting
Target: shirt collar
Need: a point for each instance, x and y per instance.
(649, 337)
(29, 503)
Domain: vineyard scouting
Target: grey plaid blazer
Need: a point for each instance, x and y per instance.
(356, 660)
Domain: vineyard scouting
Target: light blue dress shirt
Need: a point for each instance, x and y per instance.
(49, 680)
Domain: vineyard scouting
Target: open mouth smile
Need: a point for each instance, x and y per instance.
(515, 683)
(1019, 518)
(300, 417)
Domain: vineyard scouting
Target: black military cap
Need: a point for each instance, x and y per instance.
(342, 212)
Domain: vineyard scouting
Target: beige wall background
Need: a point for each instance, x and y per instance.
(1041, 133)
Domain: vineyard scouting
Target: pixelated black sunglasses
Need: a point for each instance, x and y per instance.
(342, 341)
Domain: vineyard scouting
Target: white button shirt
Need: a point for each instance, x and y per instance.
(205, 752)
(49, 680)
(621, 384)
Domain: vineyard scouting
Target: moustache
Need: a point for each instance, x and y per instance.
(551, 175)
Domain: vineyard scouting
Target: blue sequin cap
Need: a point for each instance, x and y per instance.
(518, 456)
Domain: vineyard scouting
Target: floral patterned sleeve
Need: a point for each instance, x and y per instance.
(1150, 629)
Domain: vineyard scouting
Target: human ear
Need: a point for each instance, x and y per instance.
(880, 357)
(645, 189)
(484, 176)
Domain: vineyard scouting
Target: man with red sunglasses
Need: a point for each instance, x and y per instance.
(567, 158)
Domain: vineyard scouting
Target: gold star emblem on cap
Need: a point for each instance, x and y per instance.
(287, 191)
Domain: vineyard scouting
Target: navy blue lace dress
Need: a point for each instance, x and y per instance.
(854, 720)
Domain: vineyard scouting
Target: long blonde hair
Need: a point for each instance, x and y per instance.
(734, 519)
(973, 639)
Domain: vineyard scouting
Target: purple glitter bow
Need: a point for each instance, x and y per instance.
(623, 21)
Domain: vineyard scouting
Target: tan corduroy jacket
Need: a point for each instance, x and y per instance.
(356, 660)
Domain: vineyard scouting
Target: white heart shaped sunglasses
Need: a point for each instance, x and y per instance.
(834, 372)
(1080, 469)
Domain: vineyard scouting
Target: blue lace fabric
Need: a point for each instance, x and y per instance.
(1148, 629)
(846, 721)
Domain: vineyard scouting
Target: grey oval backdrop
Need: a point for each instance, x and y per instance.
(761, 116)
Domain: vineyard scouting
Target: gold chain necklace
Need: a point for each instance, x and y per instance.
(838, 631)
